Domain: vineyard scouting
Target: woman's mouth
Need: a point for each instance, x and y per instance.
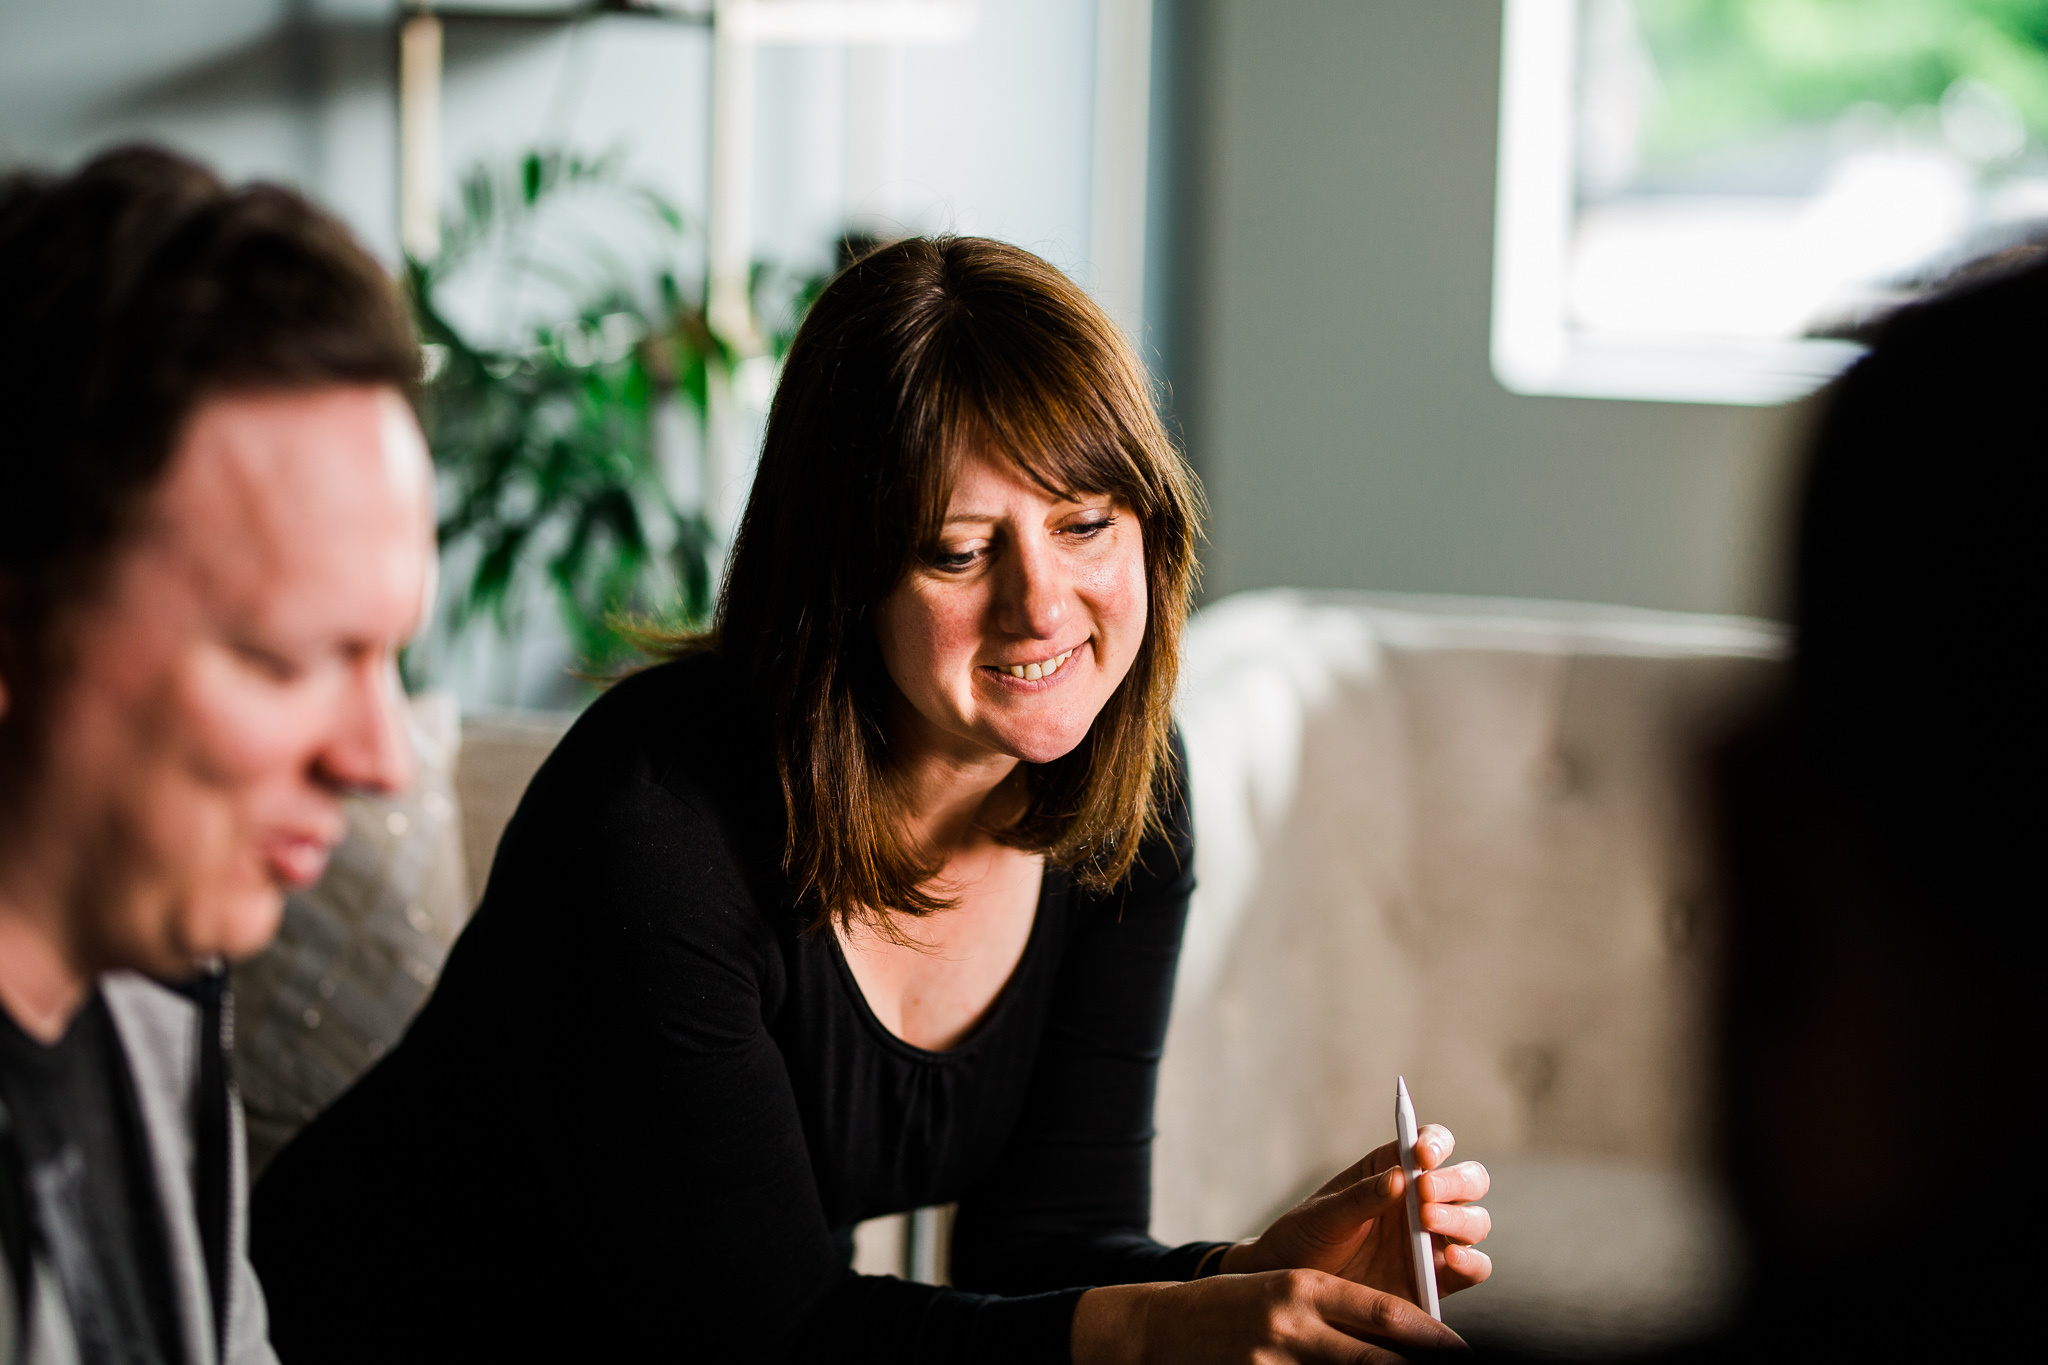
(1033, 675)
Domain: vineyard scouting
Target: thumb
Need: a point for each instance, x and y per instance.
(1325, 1230)
(1338, 1215)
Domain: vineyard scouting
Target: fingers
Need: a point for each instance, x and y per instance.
(1311, 1340)
(1433, 1146)
(1445, 1199)
(1302, 1317)
(1340, 1348)
(1385, 1157)
(1363, 1352)
(1460, 1223)
(1369, 1198)
(1376, 1317)
(1461, 1267)
(1321, 1344)
(1459, 1184)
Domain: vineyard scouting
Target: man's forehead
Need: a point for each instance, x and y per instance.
(350, 444)
(271, 485)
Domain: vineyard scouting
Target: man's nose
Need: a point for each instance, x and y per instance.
(372, 746)
(1034, 595)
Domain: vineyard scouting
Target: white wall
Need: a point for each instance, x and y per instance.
(1331, 364)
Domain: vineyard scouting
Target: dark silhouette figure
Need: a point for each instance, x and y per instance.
(1881, 833)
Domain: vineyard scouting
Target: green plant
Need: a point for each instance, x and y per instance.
(1733, 69)
(546, 446)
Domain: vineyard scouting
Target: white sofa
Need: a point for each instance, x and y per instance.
(1459, 840)
(1441, 837)
(1447, 838)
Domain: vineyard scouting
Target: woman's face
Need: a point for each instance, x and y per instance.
(1010, 638)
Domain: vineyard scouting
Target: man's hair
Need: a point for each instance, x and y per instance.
(131, 292)
(1879, 825)
(1911, 736)
(1920, 582)
(919, 352)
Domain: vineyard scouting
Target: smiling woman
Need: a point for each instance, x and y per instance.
(954, 418)
(865, 900)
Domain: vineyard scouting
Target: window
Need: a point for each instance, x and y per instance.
(1712, 200)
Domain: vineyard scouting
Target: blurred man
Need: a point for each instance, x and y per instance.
(215, 532)
(1882, 836)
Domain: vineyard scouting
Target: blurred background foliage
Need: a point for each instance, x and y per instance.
(555, 463)
(1731, 71)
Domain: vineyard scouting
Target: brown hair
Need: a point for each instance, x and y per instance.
(130, 293)
(916, 352)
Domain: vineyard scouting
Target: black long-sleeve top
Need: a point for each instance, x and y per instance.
(643, 1110)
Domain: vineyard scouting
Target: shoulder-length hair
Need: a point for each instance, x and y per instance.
(914, 354)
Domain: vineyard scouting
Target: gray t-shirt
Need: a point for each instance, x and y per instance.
(88, 1189)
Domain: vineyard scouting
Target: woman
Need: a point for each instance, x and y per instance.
(869, 900)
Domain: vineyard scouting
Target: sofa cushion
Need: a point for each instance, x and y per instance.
(501, 751)
(1457, 840)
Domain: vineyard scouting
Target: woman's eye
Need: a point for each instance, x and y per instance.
(1088, 530)
(955, 560)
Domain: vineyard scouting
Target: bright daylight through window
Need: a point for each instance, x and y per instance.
(1715, 200)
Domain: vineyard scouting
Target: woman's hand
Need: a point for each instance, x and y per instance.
(1330, 1281)
(1354, 1226)
(1279, 1317)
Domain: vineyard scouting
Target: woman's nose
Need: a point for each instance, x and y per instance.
(1034, 595)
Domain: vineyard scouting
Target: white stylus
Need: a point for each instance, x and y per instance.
(1419, 1248)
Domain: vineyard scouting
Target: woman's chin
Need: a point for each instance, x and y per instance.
(1043, 746)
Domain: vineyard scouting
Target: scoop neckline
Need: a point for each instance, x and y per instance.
(997, 1010)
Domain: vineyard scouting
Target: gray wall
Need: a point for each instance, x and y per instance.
(294, 90)
(1325, 226)
(997, 139)
(1329, 340)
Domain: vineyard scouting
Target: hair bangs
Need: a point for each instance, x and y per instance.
(1052, 401)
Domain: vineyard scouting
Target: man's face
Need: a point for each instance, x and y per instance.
(237, 675)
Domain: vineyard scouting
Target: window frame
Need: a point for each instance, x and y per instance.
(1535, 348)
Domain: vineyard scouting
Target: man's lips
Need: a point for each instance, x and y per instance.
(297, 860)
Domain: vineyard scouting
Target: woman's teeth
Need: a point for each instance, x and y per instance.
(1033, 672)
